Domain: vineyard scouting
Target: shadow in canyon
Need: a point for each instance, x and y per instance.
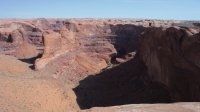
(127, 37)
(125, 84)
(129, 82)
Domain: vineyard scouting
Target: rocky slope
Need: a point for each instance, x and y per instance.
(71, 64)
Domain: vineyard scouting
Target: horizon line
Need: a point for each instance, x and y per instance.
(114, 18)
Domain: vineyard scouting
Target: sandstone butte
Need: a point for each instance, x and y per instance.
(99, 65)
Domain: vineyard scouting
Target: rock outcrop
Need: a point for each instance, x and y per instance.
(55, 45)
(172, 57)
(72, 64)
(161, 72)
(15, 34)
(26, 51)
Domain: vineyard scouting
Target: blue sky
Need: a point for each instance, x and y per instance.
(150, 9)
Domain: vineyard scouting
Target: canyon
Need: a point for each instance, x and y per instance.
(92, 65)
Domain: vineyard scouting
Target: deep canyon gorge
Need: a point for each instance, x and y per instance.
(92, 65)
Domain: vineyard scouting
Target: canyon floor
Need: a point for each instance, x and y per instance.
(93, 65)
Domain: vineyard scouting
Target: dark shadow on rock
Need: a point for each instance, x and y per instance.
(127, 37)
(127, 83)
(196, 24)
(125, 40)
(31, 60)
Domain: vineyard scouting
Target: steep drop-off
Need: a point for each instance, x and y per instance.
(172, 58)
(165, 69)
(58, 64)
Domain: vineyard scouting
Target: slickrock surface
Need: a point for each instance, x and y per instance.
(25, 51)
(66, 65)
(11, 65)
(175, 107)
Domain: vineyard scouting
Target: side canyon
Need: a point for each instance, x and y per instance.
(92, 65)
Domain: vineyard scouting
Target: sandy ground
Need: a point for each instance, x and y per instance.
(22, 90)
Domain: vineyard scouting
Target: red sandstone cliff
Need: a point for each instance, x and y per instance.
(131, 61)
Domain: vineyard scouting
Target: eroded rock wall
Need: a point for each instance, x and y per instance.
(100, 54)
(171, 58)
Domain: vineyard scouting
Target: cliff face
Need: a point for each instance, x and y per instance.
(172, 57)
(165, 69)
(15, 35)
(107, 62)
(88, 47)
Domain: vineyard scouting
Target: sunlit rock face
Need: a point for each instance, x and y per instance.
(92, 46)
